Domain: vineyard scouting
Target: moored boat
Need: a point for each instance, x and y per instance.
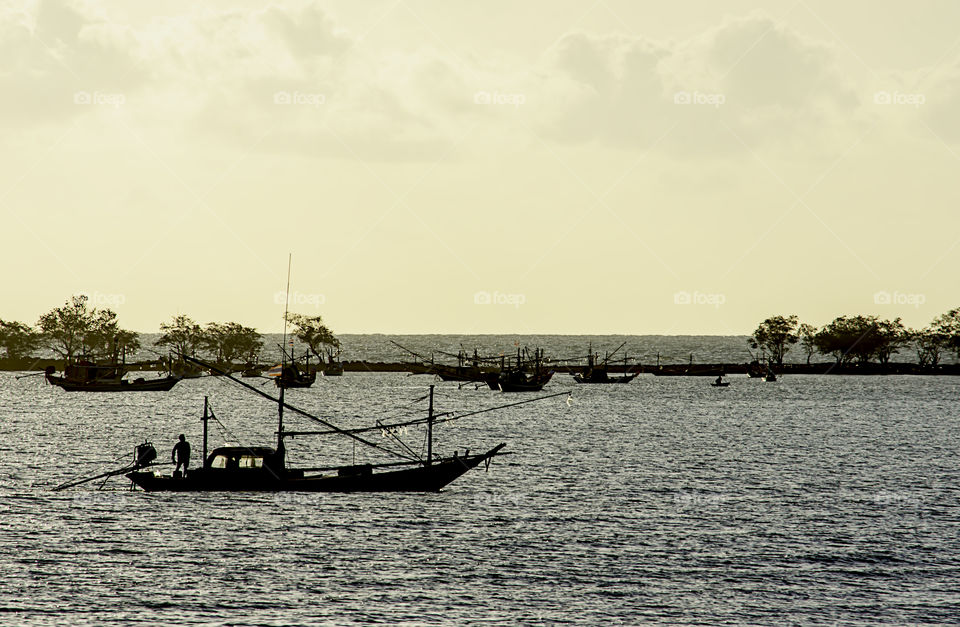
(86, 376)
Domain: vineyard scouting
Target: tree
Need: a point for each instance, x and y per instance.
(948, 327)
(929, 344)
(775, 335)
(847, 339)
(807, 334)
(860, 338)
(891, 336)
(18, 339)
(231, 340)
(125, 343)
(313, 332)
(182, 335)
(76, 329)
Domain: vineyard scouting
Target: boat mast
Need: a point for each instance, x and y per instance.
(206, 417)
(283, 350)
(430, 429)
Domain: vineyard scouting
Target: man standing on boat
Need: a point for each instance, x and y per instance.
(181, 454)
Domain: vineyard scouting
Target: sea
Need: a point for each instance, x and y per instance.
(815, 499)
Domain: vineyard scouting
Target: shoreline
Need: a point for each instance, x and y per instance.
(669, 370)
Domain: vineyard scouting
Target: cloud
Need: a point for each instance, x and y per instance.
(289, 78)
(747, 80)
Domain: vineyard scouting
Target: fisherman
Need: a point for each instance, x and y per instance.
(181, 454)
(720, 380)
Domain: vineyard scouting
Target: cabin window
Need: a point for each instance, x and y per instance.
(219, 461)
(249, 461)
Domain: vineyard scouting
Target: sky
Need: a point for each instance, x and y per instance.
(498, 167)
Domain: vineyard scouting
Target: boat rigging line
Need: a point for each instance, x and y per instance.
(333, 428)
(450, 416)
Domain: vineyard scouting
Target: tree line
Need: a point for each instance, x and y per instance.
(76, 330)
(859, 339)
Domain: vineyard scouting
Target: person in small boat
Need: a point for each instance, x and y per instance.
(720, 380)
(181, 454)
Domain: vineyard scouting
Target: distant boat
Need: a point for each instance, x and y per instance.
(291, 376)
(86, 376)
(528, 375)
(721, 385)
(466, 370)
(333, 366)
(597, 371)
(251, 370)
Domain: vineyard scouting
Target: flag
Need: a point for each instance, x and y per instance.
(276, 371)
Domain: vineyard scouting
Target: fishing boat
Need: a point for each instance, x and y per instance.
(333, 367)
(597, 370)
(83, 375)
(288, 375)
(467, 370)
(528, 375)
(260, 468)
(265, 469)
(292, 377)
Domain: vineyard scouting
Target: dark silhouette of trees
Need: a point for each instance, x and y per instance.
(861, 338)
(807, 334)
(313, 332)
(948, 327)
(182, 335)
(775, 335)
(75, 330)
(230, 341)
(18, 340)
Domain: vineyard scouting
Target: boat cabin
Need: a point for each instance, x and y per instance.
(241, 458)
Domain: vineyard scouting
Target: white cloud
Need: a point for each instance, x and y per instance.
(217, 72)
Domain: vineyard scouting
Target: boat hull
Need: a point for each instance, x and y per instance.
(594, 378)
(350, 479)
(122, 385)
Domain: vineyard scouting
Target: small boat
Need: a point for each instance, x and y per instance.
(463, 372)
(722, 384)
(528, 375)
(251, 370)
(86, 376)
(333, 367)
(292, 377)
(597, 370)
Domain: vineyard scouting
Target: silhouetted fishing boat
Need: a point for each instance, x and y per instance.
(332, 367)
(528, 375)
(86, 376)
(293, 377)
(463, 371)
(597, 371)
